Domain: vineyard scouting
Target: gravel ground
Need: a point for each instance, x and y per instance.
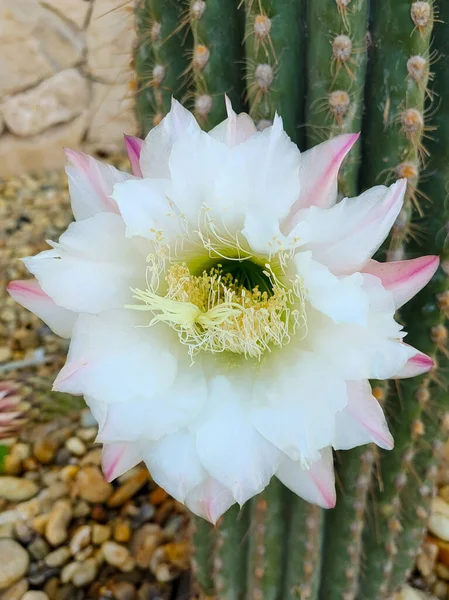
(65, 533)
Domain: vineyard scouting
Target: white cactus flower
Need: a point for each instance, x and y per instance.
(224, 312)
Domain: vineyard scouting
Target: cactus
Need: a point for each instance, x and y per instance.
(317, 64)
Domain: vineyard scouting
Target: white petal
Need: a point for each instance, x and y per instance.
(174, 464)
(343, 300)
(209, 500)
(146, 210)
(319, 173)
(90, 185)
(372, 352)
(157, 146)
(362, 421)
(92, 267)
(316, 484)
(152, 416)
(235, 129)
(229, 447)
(118, 458)
(195, 161)
(114, 361)
(344, 237)
(404, 278)
(296, 397)
(30, 295)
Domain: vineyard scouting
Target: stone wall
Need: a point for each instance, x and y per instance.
(65, 79)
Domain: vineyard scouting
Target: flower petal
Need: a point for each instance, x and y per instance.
(235, 129)
(157, 146)
(30, 295)
(209, 500)
(113, 361)
(404, 278)
(316, 484)
(146, 210)
(228, 445)
(118, 458)
(362, 421)
(296, 397)
(174, 464)
(134, 148)
(90, 184)
(345, 236)
(92, 267)
(318, 175)
(343, 300)
(417, 364)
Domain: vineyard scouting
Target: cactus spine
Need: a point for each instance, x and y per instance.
(307, 60)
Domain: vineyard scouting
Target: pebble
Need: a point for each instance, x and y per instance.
(439, 519)
(87, 434)
(35, 595)
(75, 446)
(40, 523)
(45, 450)
(69, 570)
(68, 473)
(58, 522)
(16, 489)
(5, 353)
(80, 539)
(12, 464)
(144, 543)
(114, 554)
(123, 590)
(158, 496)
(87, 419)
(58, 557)
(93, 457)
(128, 489)
(100, 533)
(442, 571)
(85, 573)
(84, 553)
(122, 531)
(14, 561)
(92, 486)
(16, 591)
(81, 509)
(38, 548)
(21, 450)
(160, 567)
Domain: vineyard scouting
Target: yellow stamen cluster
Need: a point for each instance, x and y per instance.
(214, 312)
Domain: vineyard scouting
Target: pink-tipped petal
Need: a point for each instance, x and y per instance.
(418, 364)
(316, 484)
(318, 175)
(362, 421)
(133, 147)
(30, 295)
(209, 500)
(347, 235)
(118, 458)
(91, 184)
(404, 278)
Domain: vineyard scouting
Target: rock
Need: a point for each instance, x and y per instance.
(123, 590)
(20, 450)
(177, 553)
(439, 519)
(35, 595)
(128, 489)
(69, 570)
(144, 543)
(92, 486)
(87, 434)
(85, 553)
(68, 473)
(408, 593)
(12, 465)
(38, 548)
(100, 533)
(158, 496)
(75, 446)
(427, 558)
(17, 489)
(112, 113)
(80, 539)
(40, 523)
(122, 531)
(442, 571)
(114, 554)
(81, 509)
(22, 63)
(86, 573)
(14, 562)
(44, 449)
(58, 522)
(72, 10)
(62, 46)
(92, 458)
(58, 557)
(56, 100)
(16, 591)
(40, 152)
(161, 568)
(109, 40)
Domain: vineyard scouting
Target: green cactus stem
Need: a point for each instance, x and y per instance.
(203, 543)
(274, 43)
(216, 62)
(336, 66)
